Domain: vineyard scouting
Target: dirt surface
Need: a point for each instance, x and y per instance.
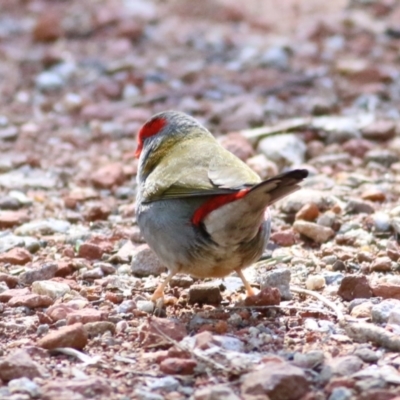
(282, 84)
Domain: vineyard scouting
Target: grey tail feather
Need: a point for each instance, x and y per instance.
(283, 184)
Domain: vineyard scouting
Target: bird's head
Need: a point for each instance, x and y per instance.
(165, 129)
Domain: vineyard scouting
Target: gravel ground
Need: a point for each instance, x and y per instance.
(282, 85)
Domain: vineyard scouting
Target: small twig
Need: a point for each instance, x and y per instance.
(200, 357)
(279, 306)
(332, 306)
(283, 126)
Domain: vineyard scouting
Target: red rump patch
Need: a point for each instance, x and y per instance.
(215, 202)
(149, 129)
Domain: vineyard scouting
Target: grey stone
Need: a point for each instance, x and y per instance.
(279, 278)
(48, 226)
(381, 156)
(381, 221)
(283, 149)
(356, 206)
(220, 392)
(367, 355)
(323, 200)
(276, 56)
(341, 393)
(28, 178)
(346, 365)
(24, 385)
(145, 262)
(49, 81)
(46, 272)
(146, 395)
(380, 312)
(167, 383)
(145, 305)
(309, 360)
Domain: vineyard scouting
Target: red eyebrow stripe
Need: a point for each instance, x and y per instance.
(215, 202)
(149, 129)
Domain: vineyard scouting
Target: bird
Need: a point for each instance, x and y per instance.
(200, 208)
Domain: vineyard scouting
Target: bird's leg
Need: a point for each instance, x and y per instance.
(159, 292)
(250, 291)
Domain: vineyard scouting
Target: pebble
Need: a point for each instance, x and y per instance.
(85, 315)
(387, 291)
(145, 306)
(167, 383)
(379, 130)
(222, 392)
(269, 296)
(108, 176)
(367, 355)
(339, 265)
(238, 145)
(310, 360)
(146, 395)
(262, 166)
(8, 219)
(9, 203)
(9, 241)
(16, 256)
(345, 365)
(17, 365)
(374, 194)
(362, 310)
(309, 212)
(293, 203)
(381, 264)
(205, 293)
(381, 156)
(46, 272)
(93, 329)
(145, 262)
(45, 227)
(9, 294)
(92, 274)
(49, 81)
(356, 206)
(277, 380)
(394, 317)
(52, 289)
(31, 300)
(284, 238)
(341, 393)
(317, 233)
(91, 251)
(96, 211)
(276, 57)
(315, 282)
(278, 278)
(353, 287)
(67, 336)
(24, 385)
(149, 331)
(380, 312)
(382, 221)
(283, 149)
(95, 387)
(178, 366)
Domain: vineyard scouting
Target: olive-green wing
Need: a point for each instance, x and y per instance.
(213, 170)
